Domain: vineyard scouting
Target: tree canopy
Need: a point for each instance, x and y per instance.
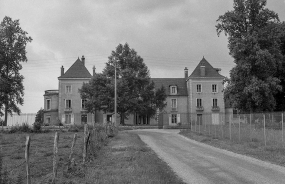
(255, 37)
(13, 41)
(136, 92)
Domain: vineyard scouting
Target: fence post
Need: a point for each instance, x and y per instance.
(55, 153)
(230, 122)
(239, 128)
(215, 131)
(27, 157)
(282, 129)
(222, 127)
(199, 127)
(264, 131)
(250, 127)
(72, 146)
(84, 144)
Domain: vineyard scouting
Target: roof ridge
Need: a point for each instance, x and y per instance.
(77, 70)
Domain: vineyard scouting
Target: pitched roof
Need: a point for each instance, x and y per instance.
(77, 70)
(167, 82)
(210, 72)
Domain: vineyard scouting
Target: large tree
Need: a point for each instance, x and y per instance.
(255, 41)
(135, 90)
(13, 41)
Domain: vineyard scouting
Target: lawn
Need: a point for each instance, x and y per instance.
(256, 149)
(123, 159)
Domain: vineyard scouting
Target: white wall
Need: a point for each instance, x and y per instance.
(20, 119)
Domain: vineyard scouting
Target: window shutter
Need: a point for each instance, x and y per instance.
(178, 118)
(63, 118)
(169, 117)
(72, 118)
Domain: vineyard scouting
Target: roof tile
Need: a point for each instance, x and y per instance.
(167, 82)
(210, 72)
(77, 70)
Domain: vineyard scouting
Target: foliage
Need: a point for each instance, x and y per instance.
(13, 41)
(40, 116)
(22, 128)
(136, 92)
(37, 127)
(255, 39)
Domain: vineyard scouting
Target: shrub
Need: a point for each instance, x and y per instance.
(22, 128)
(37, 127)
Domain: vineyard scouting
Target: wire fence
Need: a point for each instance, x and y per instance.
(265, 128)
(44, 156)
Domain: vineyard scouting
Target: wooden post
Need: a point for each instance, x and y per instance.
(239, 128)
(55, 154)
(72, 146)
(282, 129)
(250, 137)
(230, 121)
(27, 157)
(264, 131)
(199, 126)
(215, 131)
(84, 144)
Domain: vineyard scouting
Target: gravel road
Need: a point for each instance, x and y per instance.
(195, 162)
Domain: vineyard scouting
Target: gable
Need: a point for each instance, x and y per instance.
(77, 70)
(167, 82)
(210, 72)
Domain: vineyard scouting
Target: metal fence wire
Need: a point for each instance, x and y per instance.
(266, 128)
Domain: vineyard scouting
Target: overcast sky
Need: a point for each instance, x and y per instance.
(169, 34)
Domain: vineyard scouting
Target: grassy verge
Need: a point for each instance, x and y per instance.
(128, 160)
(123, 159)
(272, 153)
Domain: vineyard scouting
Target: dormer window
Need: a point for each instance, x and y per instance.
(173, 90)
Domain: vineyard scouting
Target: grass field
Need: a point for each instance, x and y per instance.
(125, 159)
(256, 149)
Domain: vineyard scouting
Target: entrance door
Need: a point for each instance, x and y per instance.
(68, 118)
(84, 118)
(109, 118)
(215, 118)
(199, 119)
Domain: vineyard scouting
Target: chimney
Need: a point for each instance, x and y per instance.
(94, 70)
(202, 71)
(83, 60)
(62, 71)
(186, 72)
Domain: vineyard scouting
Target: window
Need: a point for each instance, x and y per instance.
(174, 103)
(199, 88)
(48, 120)
(214, 88)
(67, 104)
(173, 90)
(199, 102)
(83, 103)
(215, 102)
(83, 118)
(173, 118)
(48, 104)
(68, 89)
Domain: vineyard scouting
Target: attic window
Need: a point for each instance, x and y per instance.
(173, 90)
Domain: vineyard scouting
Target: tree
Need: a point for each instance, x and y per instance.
(135, 91)
(40, 116)
(254, 34)
(13, 41)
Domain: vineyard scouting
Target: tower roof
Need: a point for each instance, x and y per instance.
(210, 72)
(77, 70)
